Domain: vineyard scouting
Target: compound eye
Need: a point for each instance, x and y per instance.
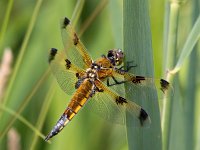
(120, 54)
(111, 57)
(110, 54)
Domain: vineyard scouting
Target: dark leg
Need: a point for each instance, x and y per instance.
(96, 89)
(116, 82)
(129, 66)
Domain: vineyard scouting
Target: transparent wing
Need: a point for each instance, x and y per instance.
(64, 71)
(163, 87)
(74, 48)
(114, 108)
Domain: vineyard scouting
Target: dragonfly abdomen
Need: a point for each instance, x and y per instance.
(78, 100)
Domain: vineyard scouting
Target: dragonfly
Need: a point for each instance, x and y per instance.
(88, 82)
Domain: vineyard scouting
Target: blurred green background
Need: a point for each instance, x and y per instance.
(31, 28)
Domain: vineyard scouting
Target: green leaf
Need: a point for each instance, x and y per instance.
(138, 47)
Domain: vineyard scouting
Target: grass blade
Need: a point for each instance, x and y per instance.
(23, 120)
(44, 110)
(91, 18)
(23, 48)
(24, 104)
(5, 24)
(189, 45)
(77, 11)
(137, 47)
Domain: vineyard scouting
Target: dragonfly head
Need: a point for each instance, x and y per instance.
(115, 56)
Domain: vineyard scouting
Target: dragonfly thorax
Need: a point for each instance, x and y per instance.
(91, 74)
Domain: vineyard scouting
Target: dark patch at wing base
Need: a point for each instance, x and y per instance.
(138, 79)
(52, 54)
(120, 100)
(143, 116)
(76, 39)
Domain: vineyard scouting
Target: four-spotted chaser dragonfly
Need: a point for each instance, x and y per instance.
(79, 75)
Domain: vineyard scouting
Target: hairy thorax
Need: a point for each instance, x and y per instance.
(106, 68)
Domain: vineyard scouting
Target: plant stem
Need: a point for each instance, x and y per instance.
(169, 63)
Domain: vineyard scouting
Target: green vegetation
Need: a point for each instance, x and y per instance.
(160, 36)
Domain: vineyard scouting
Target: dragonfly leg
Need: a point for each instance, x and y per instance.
(128, 67)
(94, 90)
(116, 82)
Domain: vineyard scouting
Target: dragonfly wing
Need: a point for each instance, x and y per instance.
(114, 108)
(163, 87)
(74, 48)
(64, 71)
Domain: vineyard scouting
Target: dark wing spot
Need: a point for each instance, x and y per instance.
(65, 22)
(120, 100)
(76, 39)
(68, 63)
(164, 85)
(138, 79)
(143, 116)
(52, 54)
